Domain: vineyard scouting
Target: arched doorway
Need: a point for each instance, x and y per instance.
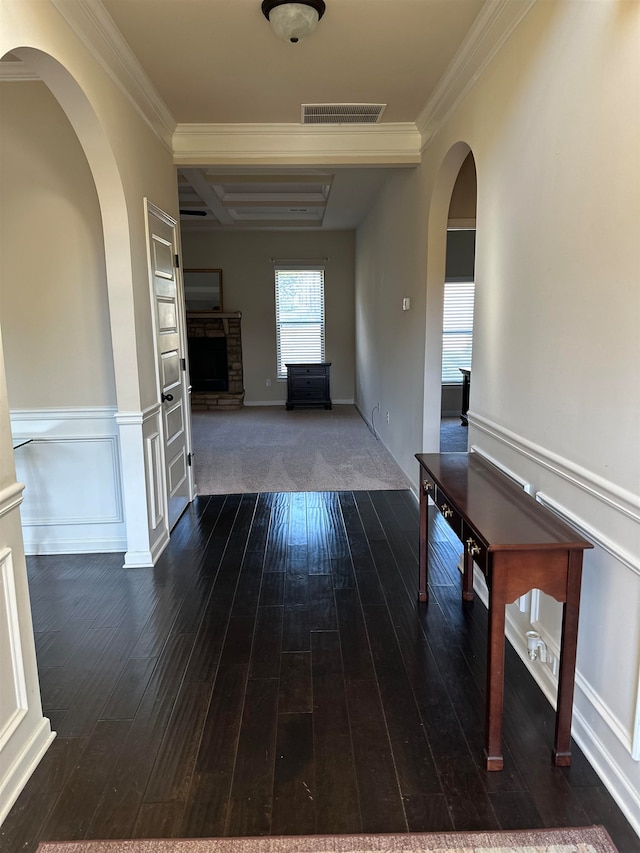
(24, 733)
(131, 503)
(457, 325)
(436, 273)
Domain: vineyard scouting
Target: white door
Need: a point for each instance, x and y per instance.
(172, 374)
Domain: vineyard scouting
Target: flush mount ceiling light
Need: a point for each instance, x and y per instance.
(293, 21)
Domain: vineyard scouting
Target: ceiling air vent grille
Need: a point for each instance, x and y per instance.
(342, 113)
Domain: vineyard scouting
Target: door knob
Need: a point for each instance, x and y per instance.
(166, 398)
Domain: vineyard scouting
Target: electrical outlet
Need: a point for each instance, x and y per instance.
(268, 383)
(387, 417)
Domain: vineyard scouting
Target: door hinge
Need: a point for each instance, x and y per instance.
(177, 262)
(189, 459)
(183, 363)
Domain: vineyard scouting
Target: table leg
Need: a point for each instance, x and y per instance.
(467, 576)
(423, 592)
(566, 675)
(495, 672)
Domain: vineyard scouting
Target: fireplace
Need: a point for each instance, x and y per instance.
(208, 364)
(215, 360)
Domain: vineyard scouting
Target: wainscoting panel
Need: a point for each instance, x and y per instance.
(13, 699)
(606, 720)
(70, 466)
(156, 479)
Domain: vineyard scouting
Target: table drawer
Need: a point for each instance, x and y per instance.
(319, 383)
(453, 519)
(310, 394)
(475, 547)
(304, 370)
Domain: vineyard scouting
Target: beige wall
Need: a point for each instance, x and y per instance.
(248, 283)
(53, 291)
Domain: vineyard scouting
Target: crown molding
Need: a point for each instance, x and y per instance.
(295, 144)
(16, 72)
(494, 25)
(92, 23)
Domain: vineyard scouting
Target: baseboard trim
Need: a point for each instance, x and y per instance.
(46, 547)
(254, 403)
(19, 774)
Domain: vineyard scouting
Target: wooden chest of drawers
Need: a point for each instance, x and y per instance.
(308, 385)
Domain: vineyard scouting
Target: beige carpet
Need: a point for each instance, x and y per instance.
(591, 839)
(267, 449)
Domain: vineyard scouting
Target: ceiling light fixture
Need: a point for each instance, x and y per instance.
(293, 21)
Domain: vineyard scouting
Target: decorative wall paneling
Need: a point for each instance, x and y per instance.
(73, 487)
(607, 700)
(24, 733)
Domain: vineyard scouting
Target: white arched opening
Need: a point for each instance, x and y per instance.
(436, 266)
(114, 215)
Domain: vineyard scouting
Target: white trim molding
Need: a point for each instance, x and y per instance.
(494, 25)
(14, 682)
(606, 720)
(70, 464)
(615, 496)
(292, 144)
(10, 498)
(94, 26)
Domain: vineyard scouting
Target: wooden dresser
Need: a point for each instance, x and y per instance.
(308, 385)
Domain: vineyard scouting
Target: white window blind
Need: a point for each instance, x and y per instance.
(299, 316)
(457, 330)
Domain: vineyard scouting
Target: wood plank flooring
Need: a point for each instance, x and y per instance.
(274, 674)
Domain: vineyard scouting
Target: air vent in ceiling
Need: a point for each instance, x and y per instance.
(342, 113)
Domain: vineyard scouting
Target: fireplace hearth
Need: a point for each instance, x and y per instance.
(215, 360)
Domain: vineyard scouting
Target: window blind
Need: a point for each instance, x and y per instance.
(457, 330)
(299, 316)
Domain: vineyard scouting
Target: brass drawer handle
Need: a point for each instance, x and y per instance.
(446, 510)
(472, 547)
(426, 486)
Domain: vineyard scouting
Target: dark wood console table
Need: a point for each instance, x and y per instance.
(519, 545)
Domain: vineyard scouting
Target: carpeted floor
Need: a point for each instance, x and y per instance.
(590, 839)
(453, 435)
(268, 449)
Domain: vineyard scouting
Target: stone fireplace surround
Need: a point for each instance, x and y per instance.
(227, 325)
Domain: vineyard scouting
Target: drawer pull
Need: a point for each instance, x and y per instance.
(446, 510)
(472, 547)
(426, 486)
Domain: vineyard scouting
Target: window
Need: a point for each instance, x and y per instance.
(299, 316)
(457, 330)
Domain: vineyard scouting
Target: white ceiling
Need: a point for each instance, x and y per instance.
(216, 65)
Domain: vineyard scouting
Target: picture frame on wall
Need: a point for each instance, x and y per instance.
(203, 289)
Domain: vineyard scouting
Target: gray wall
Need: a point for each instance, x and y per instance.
(248, 286)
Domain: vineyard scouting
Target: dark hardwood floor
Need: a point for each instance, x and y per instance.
(274, 674)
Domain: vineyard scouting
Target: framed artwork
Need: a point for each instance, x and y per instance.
(203, 289)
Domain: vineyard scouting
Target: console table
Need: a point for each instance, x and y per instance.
(518, 545)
